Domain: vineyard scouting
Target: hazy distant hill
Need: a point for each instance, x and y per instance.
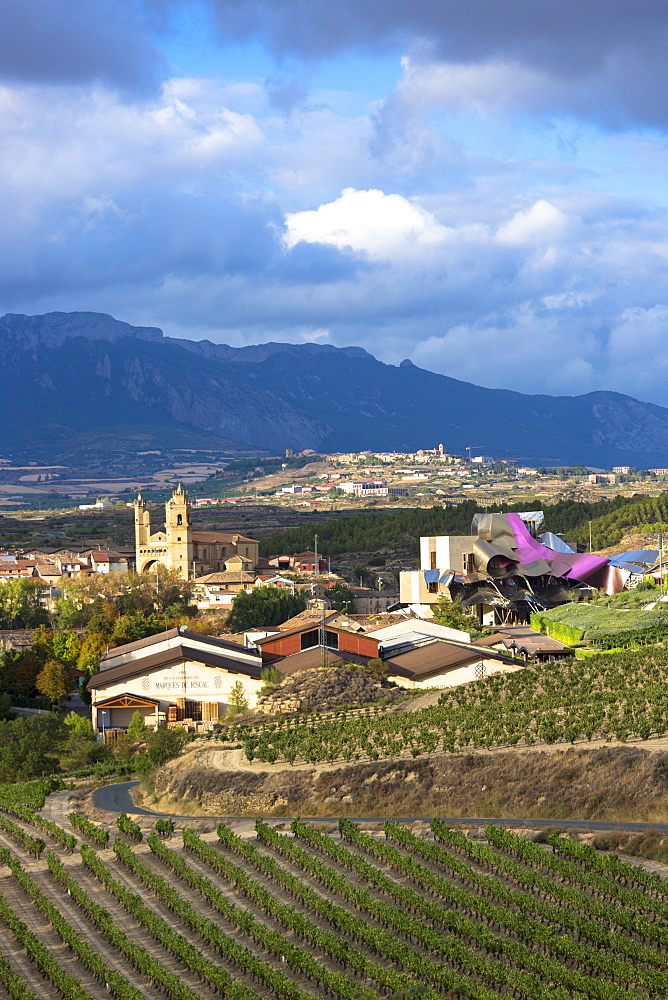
(86, 380)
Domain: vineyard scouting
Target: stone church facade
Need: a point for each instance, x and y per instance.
(190, 553)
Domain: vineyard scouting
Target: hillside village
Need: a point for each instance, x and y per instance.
(504, 576)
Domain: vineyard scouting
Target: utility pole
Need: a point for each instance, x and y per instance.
(324, 651)
(660, 564)
(589, 536)
(315, 567)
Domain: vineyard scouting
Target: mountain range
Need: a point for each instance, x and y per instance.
(86, 382)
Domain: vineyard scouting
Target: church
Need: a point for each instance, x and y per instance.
(191, 553)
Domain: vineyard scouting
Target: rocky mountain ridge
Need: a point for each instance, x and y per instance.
(75, 380)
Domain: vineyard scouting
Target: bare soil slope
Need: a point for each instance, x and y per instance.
(603, 783)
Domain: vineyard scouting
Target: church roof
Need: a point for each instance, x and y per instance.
(220, 536)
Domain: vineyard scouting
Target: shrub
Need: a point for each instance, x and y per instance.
(271, 678)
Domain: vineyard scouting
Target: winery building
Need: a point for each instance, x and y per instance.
(175, 676)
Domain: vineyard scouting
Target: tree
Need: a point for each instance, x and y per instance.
(55, 680)
(67, 614)
(19, 604)
(137, 728)
(238, 701)
(130, 628)
(81, 746)
(66, 647)
(341, 598)
(162, 745)
(103, 619)
(263, 606)
(29, 746)
(80, 725)
(42, 644)
(452, 614)
(18, 671)
(377, 668)
(89, 661)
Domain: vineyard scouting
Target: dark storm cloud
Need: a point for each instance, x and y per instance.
(77, 41)
(569, 36)
(611, 51)
(171, 236)
(316, 263)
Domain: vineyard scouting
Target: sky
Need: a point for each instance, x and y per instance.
(478, 186)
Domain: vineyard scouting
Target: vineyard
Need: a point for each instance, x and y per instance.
(310, 914)
(605, 627)
(616, 697)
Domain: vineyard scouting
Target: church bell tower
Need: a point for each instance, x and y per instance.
(142, 525)
(178, 529)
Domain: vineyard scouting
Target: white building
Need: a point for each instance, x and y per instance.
(175, 676)
(108, 562)
(450, 553)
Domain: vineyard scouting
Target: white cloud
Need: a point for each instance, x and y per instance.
(521, 350)
(314, 336)
(385, 226)
(205, 212)
(481, 87)
(541, 222)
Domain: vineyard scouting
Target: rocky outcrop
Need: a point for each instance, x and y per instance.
(326, 688)
(53, 329)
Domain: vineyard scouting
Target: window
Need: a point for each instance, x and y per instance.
(179, 520)
(312, 638)
(432, 560)
(432, 588)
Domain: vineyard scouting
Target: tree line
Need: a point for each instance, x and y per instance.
(401, 530)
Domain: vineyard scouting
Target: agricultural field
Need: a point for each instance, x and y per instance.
(622, 696)
(304, 913)
(621, 622)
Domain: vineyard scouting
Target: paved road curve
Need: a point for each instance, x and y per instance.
(118, 798)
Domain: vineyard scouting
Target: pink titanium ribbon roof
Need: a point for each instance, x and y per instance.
(583, 567)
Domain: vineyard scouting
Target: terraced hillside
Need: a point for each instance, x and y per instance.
(621, 695)
(313, 915)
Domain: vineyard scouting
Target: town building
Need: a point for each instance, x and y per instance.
(372, 602)
(523, 642)
(602, 477)
(299, 562)
(415, 654)
(108, 562)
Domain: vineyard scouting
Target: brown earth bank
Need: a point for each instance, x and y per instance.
(609, 783)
